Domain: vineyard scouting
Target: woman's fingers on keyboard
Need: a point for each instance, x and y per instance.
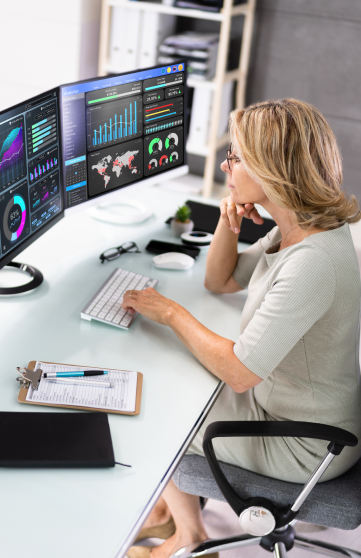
(148, 302)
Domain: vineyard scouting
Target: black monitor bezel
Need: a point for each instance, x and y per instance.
(33, 237)
(99, 78)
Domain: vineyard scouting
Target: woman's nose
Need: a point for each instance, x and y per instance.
(225, 167)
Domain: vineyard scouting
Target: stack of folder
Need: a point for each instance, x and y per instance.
(199, 49)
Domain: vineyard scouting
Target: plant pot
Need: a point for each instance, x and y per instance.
(179, 228)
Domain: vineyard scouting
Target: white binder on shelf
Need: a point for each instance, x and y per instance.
(116, 43)
(200, 119)
(124, 39)
(201, 115)
(132, 38)
(155, 27)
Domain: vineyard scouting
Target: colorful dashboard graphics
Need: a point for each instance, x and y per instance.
(115, 166)
(43, 215)
(162, 82)
(163, 151)
(163, 125)
(174, 92)
(114, 122)
(41, 128)
(112, 93)
(43, 191)
(153, 96)
(14, 216)
(12, 152)
(165, 109)
(43, 165)
(75, 181)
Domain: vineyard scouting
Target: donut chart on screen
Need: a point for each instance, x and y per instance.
(14, 218)
(155, 145)
(171, 140)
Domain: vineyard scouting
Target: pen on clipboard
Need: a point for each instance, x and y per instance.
(80, 382)
(75, 373)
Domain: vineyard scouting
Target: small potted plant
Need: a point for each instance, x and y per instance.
(181, 223)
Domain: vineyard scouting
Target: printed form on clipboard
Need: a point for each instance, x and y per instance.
(121, 398)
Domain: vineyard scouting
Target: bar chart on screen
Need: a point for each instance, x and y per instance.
(44, 190)
(43, 165)
(41, 128)
(114, 122)
(12, 152)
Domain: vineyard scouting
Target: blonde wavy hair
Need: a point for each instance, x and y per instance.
(289, 148)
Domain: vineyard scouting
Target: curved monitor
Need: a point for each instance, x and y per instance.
(30, 173)
(120, 131)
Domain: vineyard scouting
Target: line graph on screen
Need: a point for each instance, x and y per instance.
(12, 152)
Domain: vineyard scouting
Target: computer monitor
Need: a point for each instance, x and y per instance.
(120, 131)
(31, 190)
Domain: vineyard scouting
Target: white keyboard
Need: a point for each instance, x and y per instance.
(106, 305)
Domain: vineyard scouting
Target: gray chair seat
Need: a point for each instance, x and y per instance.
(335, 503)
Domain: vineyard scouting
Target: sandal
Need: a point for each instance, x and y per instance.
(144, 552)
(158, 531)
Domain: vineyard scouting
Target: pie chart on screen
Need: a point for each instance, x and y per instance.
(14, 218)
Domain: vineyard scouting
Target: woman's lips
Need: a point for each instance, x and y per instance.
(230, 186)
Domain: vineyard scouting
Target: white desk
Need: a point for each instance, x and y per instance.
(96, 513)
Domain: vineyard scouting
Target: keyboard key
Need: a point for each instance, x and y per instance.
(125, 321)
(107, 304)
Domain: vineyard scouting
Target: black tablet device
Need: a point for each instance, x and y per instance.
(160, 247)
(205, 218)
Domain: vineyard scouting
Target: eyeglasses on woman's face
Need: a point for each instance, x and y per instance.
(113, 253)
(231, 157)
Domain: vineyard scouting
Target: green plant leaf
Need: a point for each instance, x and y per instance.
(183, 213)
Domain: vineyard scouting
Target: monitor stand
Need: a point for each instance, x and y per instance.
(37, 279)
(117, 213)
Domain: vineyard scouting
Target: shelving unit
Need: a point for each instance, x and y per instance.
(239, 75)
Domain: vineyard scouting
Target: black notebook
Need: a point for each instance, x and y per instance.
(206, 217)
(55, 440)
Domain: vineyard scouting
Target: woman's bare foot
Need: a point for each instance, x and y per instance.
(159, 515)
(174, 543)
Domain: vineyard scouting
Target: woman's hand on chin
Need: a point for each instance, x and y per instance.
(150, 304)
(232, 214)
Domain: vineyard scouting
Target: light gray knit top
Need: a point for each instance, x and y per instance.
(300, 329)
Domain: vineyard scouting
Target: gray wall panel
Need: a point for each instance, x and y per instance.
(316, 60)
(348, 134)
(340, 9)
(311, 50)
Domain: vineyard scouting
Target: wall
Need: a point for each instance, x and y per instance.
(45, 43)
(311, 50)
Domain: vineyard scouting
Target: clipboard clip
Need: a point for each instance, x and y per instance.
(30, 376)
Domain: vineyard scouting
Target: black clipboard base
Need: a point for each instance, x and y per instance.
(37, 279)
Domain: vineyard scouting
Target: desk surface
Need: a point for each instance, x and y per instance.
(93, 513)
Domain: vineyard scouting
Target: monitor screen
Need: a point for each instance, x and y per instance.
(30, 173)
(119, 130)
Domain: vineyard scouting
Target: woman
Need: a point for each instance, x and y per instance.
(297, 354)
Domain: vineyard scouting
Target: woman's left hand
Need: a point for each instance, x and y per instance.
(149, 303)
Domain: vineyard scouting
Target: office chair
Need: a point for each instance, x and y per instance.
(268, 508)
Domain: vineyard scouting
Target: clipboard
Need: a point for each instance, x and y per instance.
(25, 386)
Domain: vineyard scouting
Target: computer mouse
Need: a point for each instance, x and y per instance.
(173, 260)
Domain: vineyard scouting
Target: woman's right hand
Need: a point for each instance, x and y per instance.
(233, 213)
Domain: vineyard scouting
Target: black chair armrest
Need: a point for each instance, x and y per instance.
(337, 437)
